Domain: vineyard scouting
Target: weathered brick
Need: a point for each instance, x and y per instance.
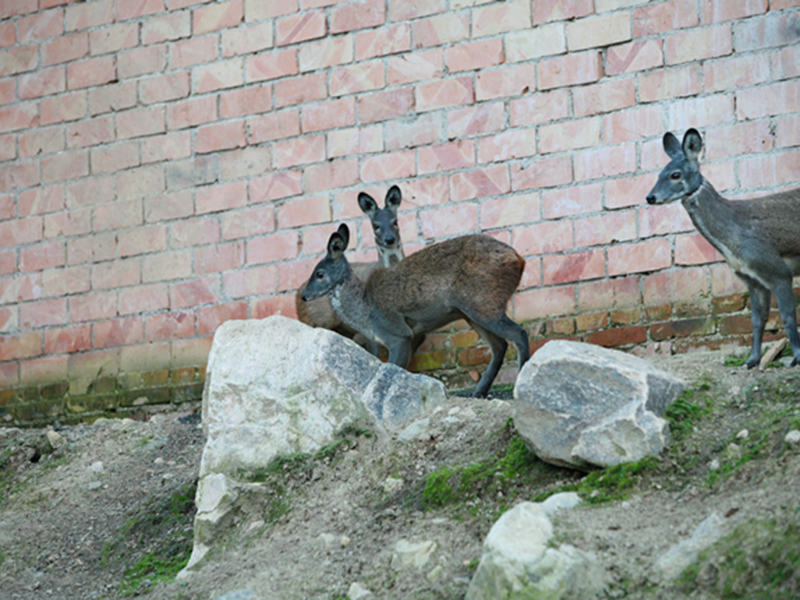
(299, 90)
(380, 106)
(568, 135)
(140, 8)
(539, 303)
(217, 76)
(391, 165)
(55, 109)
(355, 140)
(161, 88)
(140, 121)
(113, 38)
(703, 111)
(44, 24)
(171, 26)
(507, 145)
(143, 298)
(275, 247)
(560, 10)
(296, 152)
(693, 249)
(167, 326)
(664, 16)
(773, 29)
(331, 174)
(224, 196)
(446, 157)
(572, 69)
(479, 183)
(598, 31)
(380, 42)
(442, 94)
(272, 65)
(325, 53)
(22, 345)
(637, 257)
(716, 11)
(208, 319)
(483, 118)
(361, 77)
(219, 136)
(274, 186)
(141, 60)
(697, 44)
(357, 15)
(42, 313)
(443, 221)
(67, 165)
(250, 100)
(218, 257)
(169, 146)
(541, 173)
(248, 222)
(527, 44)
(440, 30)
(194, 51)
(511, 80)
(112, 97)
(74, 338)
(191, 112)
(499, 18)
(148, 238)
(773, 99)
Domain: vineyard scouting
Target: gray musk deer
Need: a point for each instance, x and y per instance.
(319, 312)
(470, 277)
(759, 238)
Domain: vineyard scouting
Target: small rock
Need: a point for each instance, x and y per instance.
(159, 461)
(682, 554)
(792, 437)
(55, 439)
(733, 451)
(743, 434)
(713, 465)
(344, 541)
(392, 485)
(558, 501)
(94, 485)
(412, 554)
(418, 430)
(326, 540)
(96, 467)
(435, 572)
(357, 591)
(239, 595)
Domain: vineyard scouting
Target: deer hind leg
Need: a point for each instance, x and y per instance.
(760, 298)
(786, 305)
(498, 347)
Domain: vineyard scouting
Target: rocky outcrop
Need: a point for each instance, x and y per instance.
(521, 561)
(277, 387)
(583, 406)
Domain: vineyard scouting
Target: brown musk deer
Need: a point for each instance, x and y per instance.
(759, 238)
(470, 277)
(319, 312)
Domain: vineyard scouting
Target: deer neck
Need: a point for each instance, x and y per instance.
(715, 218)
(390, 256)
(348, 300)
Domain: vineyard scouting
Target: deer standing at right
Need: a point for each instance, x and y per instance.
(759, 238)
(471, 277)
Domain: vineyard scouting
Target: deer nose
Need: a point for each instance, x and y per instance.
(389, 240)
(651, 198)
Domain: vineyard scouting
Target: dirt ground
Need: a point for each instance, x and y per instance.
(105, 511)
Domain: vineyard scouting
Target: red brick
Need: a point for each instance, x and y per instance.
(664, 16)
(569, 135)
(40, 141)
(507, 81)
(256, 10)
(638, 257)
(292, 275)
(442, 221)
(218, 257)
(541, 173)
(282, 304)
(357, 15)
(68, 165)
(117, 156)
(618, 336)
(236, 103)
(65, 48)
(216, 76)
(167, 326)
(140, 121)
(770, 30)
(499, 18)
(539, 303)
(272, 248)
(244, 283)
(66, 107)
(208, 319)
(380, 106)
(39, 200)
(607, 228)
(87, 192)
(191, 112)
(42, 313)
(298, 151)
(573, 69)
(42, 83)
(150, 238)
(638, 55)
(442, 94)
(248, 222)
(507, 145)
(138, 8)
(143, 298)
(560, 10)
(303, 211)
(507, 211)
(357, 78)
(187, 232)
(697, 44)
(8, 36)
(787, 131)
(329, 115)
(142, 181)
(247, 162)
(140, 61)
(614, 293)
(409, 132)
(194, 293)
(716, 11)
(221, 197)
(324, 53)
(540, 107)
(770, 170)
(117, 332)
(23, 345)
(523, 46)
(119, 215)
(164, 87)
(387, 166)
(767, 100)
(299, 28)
(749, 137)
(112, 97)
(167, 27)
(91, 132)
(380, 42)
(18, 60)
(474, 55)
(785, 62)
(355, 140)
(41, 256)
(272, 65)
(219, 136)
(62, 340)
(415, 66)
(600, 163)
(169, 146)
(113, 38)
(193, 51)
(676, 285)
(331, 174)
(247, 40)
(90, 307)
(299, 90)
(441, 29)
(400, 10)
(74, 222)
(446, 157)
(41, 25)
(702, 111)
(632, 124)
(166, 266)
(479, 183)
(111, 275)
(572, 201)
(576, 266)
(273, 186)
(482, 118)
(8, 91)
(694, 249)
(599, 30)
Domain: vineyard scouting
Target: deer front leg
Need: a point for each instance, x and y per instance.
(399, 351)
(786, 305)
(760, 298)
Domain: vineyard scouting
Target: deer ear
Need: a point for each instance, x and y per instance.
(337, 243)
(367, 204)
(671, 145)
(692, 145)
(393, 197)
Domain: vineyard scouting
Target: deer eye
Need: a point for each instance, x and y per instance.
(394, 223)
(319, 275)
(675, 175)
(377, 227)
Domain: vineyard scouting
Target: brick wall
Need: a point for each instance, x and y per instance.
(166, 165)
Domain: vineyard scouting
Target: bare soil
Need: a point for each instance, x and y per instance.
(108, 513)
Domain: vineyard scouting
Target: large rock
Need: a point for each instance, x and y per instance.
(520, 561)
(583, 406)
(277, 387)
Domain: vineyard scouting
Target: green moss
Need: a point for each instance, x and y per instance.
(762, 555)
(734, 361)
(614, 483)
(691, 406)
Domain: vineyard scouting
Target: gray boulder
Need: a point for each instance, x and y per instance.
(520, 561)
(583, 406)
(276, 387)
